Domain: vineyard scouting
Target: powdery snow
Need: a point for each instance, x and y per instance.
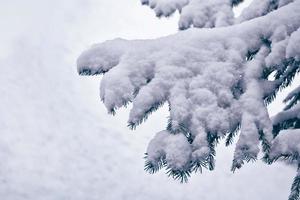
(205, 77)
(286, 143)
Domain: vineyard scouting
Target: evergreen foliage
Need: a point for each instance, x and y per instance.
(217, 82)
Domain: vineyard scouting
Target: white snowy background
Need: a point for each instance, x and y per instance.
(57, 141)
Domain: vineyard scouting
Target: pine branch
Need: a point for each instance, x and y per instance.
(236, 2)
(229, 139)
(154, 107)
(181, 128)
(86, 71)
(283, 78)
(265, 143)
(246, 157)
(181, 175)
(292, 157)
(295, 189)
(151, 167)
(293, 123)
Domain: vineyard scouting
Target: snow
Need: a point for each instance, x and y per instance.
(286, 143)
(292, 49)
(212, 13)
(196, 13)
(259, 8)
(165, 7)
(163, 145)
(197, 70)
(57, 142)
(255, 115)
(292, 94)
(292, 113)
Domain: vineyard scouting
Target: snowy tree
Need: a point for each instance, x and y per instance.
(217, 74)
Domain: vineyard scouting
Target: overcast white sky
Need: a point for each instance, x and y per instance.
(57, 142)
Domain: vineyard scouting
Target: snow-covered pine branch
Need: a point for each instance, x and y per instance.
(212, 13)
(215, 81)
(290, 117)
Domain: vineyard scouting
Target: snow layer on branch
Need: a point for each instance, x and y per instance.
(293, 93)
(287, 143)
(255, 116)
(292, 113)
(173, 147)
(211, 13)
(165, 7)
(259, 8)
(197, 13)
(207, 77)
(293, 50)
